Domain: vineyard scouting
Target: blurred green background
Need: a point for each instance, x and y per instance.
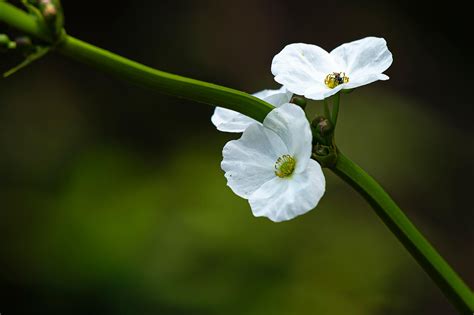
(112, 197)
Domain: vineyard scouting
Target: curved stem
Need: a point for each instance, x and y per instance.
(335, 108)
(327, 113)
(140, 74)
(424, 253)
(168, 83)
(23, 21)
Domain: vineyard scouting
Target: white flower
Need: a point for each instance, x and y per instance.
(311, 71)
(271, 165)
(231, 121)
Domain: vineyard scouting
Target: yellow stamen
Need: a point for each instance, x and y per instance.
(334, 79)
(285, 166)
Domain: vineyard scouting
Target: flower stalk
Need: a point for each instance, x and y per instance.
(428, 258)
(335, 108)
(171, 84)
(393, 217)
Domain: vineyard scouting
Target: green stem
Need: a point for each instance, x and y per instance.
(327, 113)
(23, 21)
(168, 83)
(140, 74)
(428, 258)
(335, 108)
(213, 94)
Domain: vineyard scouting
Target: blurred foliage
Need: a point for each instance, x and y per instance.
(122, 232)
(171, 236)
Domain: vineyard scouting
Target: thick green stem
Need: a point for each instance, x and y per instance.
(459, 294)
(171, 84)
(140, 74)
(428, 258)
(335, 108)
(327, 113)
(22, 21)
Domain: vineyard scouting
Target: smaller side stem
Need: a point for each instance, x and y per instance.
(164, 82)
(424, 253)
(327, 113)
(335, 108)
(21, 20)
(168, 83)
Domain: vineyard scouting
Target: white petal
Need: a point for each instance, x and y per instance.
(250, 161)
(231, 121)
(364, 80)
(301, 66)
(275, 97)
(363, 57)
(289, 122)
(283, 199)
(320, 92)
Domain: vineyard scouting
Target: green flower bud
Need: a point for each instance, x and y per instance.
(4, 40)
(322, 125)
(299, 100)
(6, 43)
(49, 11)
(325, 155)
(23, 41)
(321, 150)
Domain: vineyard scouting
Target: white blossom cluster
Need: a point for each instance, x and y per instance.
(271, 165)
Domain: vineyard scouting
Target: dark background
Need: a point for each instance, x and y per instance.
(112, 199)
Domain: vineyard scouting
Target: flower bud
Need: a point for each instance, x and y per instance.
(6, 43)
(325, 155)
(24, 44)
(322, 125)
(299, 100)
(321, 150)
(23, 41)
(4, 40)
(49, 11)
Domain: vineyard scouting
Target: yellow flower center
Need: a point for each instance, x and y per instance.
(334, 79)
(285, 166)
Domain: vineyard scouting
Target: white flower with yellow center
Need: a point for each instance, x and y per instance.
(311, 71)
(271, 165)
(231, 121)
